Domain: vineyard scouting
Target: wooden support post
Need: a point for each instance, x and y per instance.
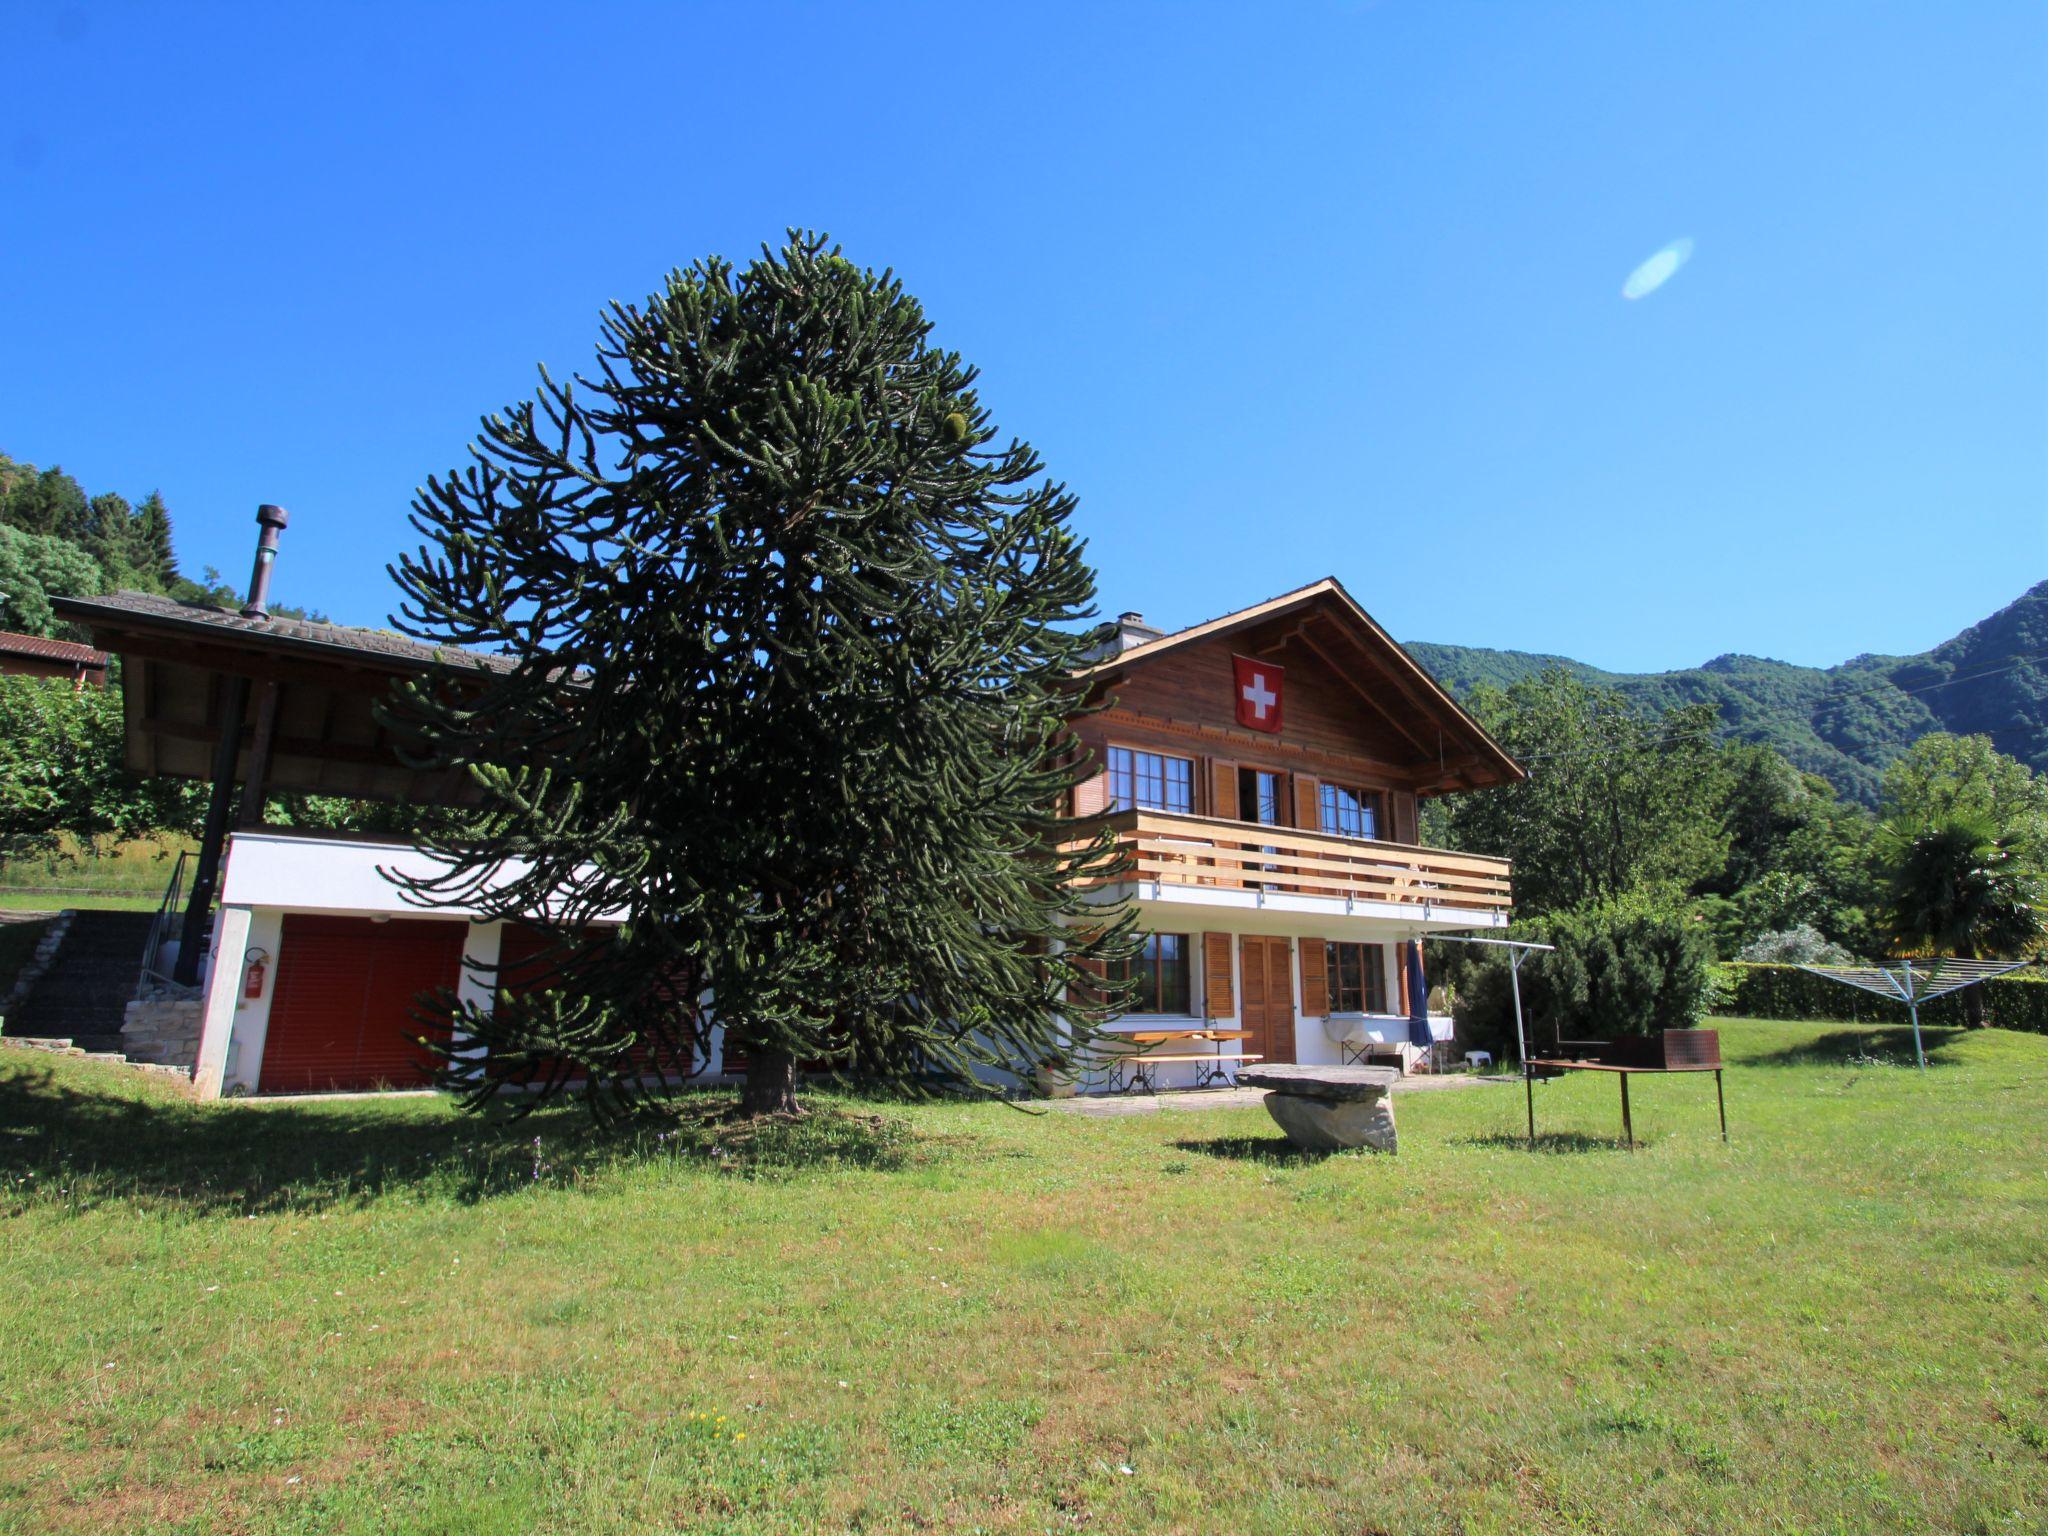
(206, 878)
(1628, 1130)
(255, 782)
(1721, 1102)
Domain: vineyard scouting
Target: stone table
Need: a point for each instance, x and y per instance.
(1326, 1109)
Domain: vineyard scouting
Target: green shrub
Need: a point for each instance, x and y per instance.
(1630, 968)
(1787, 992)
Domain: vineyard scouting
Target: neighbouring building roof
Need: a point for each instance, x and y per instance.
(70, 652)
(315, 720)
(165, 615)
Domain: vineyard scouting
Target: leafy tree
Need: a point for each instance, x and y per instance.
(50, 503)
(791, 639)
(1959, 887)
(1614, 804)
(33, 567)
(61, 771)
(1795, 946)
(1797, 856)
(1942, 777)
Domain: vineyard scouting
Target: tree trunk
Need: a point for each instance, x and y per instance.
(1973, 1006)
(1973, 997)
(770, 1088)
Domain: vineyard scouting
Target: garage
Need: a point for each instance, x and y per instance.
(343, 1015)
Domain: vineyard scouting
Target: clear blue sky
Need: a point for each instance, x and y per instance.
(1282, 290)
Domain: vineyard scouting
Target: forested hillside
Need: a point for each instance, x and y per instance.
(57, 541)
(1845, 722)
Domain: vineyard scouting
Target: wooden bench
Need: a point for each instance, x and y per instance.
(1212, 1067)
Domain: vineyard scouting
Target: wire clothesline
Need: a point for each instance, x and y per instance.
(1938, 978)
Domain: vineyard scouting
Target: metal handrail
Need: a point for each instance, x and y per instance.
(160, 927)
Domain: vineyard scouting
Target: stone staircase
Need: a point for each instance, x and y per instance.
(82, 997)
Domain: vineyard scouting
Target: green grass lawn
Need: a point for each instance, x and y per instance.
(44, 901)
(376, 1316)
(111, 875)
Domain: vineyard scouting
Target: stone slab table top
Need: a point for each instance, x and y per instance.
(1337, 1084)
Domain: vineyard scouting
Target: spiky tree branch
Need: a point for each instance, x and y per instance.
(789, 641)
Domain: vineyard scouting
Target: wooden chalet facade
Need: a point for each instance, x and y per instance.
(1263, 771)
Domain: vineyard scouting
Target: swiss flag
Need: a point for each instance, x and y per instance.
(1258, 694)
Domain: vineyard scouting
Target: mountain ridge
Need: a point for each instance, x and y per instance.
(1845, 722)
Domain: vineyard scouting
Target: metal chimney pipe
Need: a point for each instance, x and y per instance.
(271, 519)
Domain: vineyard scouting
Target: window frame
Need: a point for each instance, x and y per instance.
(1150, 956)
(1373, 803)
(1126, 778)
(1248, 777)
(1372, 977)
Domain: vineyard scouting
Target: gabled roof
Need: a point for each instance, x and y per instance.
(1328, 600)
(68, 651)
(308, 637)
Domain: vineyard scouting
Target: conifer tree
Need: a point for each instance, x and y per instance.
(153, 536)
(789, 640)
(108, 535)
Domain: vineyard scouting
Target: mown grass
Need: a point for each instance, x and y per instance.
(135, 869)
(377, 1316)
(57, 901)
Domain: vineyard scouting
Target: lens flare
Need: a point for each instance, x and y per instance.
(1657, 271)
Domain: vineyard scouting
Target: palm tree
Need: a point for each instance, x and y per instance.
(1957, 887)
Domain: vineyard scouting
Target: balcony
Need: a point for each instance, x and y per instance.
(1212, 859)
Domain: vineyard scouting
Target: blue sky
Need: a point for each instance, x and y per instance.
(1281, 290)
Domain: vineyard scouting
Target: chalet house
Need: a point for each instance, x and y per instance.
(1263, 771)
(35, 656)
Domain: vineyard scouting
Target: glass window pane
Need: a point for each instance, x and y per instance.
(1176, 993)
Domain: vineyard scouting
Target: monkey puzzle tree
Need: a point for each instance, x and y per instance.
(788, 641)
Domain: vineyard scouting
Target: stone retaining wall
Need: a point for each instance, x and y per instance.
(163, 1030)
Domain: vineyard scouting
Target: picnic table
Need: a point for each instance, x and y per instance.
(1133, 1070)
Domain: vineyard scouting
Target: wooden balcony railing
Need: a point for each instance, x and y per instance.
(1238, 856)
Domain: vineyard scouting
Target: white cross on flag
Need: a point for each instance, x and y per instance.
(1258, 694)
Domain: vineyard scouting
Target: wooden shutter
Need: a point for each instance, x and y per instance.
(1223, 788)
(1307, 811)
(1404, 828)
(1315, 979)
(1091, 795)
(1401, 975)
(1217, 1002)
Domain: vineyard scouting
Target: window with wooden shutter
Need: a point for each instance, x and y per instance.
(1315, 979)
(1223, 788)
(1217, 1002)
(1306, 814)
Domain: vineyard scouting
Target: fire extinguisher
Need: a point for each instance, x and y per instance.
(252, 983)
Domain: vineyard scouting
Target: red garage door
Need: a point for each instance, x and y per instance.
(342, 1015)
